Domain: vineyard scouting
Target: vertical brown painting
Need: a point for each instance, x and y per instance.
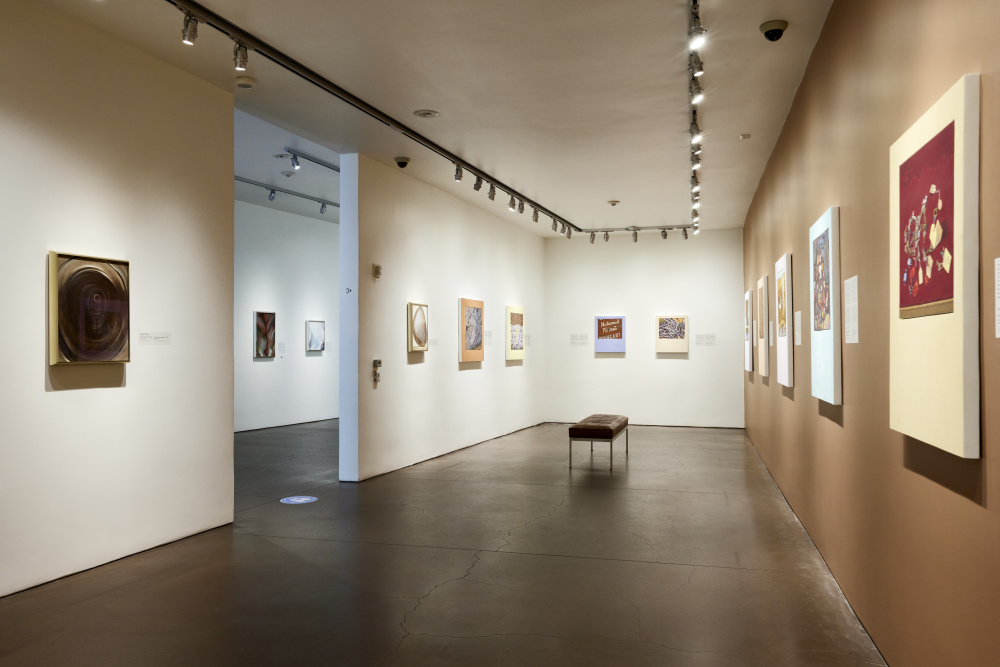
(927, 234)
(263, 332)
(88, 310)
(821, 282)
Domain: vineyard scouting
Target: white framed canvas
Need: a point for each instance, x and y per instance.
(672, 334)
(748, 331)
(824, 307)
(934, 274)
(783, 325)
(315, 335)
(763, 362)
(514, 333)
(416, 327)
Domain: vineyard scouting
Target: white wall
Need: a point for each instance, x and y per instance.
(701, 278)
(286, 264)
(98, 462)
(434, 249)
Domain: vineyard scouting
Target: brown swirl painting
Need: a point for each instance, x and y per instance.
(88, 310)
(263, 335)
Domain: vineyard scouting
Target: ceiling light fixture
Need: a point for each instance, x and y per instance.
(569, 232)
(695, 161)
(555, 225)
(607, 236)
(190, 31)
(493, 192)
(685, 233)
(695, 64)
(295, 161)
(512, 206)
(426, 113)
(520, 206)
(663, 234)
(695, 204)
(534, 215)
(458, 173)
(593, 236)
(696, 93)
(694, 130)
(696, 33)
(695, 217)
(696, 229)
(479, 184)
(240, 57)
(322, 209)
(270, 196)
(696, 149)
(695, 183)
(635, 237)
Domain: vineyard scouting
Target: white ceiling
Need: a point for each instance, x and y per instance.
(572, 102)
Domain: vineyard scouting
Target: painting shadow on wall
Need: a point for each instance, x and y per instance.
(672, 355)
(609, 355)
(788, 392)
(962, 476)
(834, 413)
(470, 365)
(509, 363)
(751, 376)
(414, 358)
(314, 353)
(265, 359)
(766, 381)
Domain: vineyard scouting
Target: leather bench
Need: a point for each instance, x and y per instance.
(599, 428)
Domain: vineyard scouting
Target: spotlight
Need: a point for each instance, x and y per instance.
(607, 236)
(695, 217)
(520, 206)
(270, 196)
(593, 235)
(685, 233)
(479, 184)
(695, 161)
(696, 149)
(635, 237)
(569, 233)
(493, 192)
(694, 64)
(694, 130)
(295, 161)
(562, 228)
(322, 209)
(663, 234)
(555, 225)
(190, 32)
(695, 183)
(696, 33)
(696, 229)
(458, 173)
(240, 57)
(534, 215)
(511, 206)
(695, 204)
(696, 93)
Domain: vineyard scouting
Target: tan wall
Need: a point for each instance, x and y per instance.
(911, 533)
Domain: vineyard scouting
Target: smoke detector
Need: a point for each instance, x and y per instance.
(246, 82)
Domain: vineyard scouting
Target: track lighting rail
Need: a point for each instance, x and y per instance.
(275, 188)
(251, 42)
(310, 158)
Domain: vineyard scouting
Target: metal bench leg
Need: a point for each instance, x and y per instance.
(611, 455)
(591, 446)
(571, 452)
(626, 441)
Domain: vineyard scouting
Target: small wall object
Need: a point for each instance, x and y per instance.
(609, 333)
(315, 335)
(470, 330)
(934, 274)
(514, 333)
(785, 332)
(88, 310)
(263, 335)
(748, 326)
(763, 362)
(824, 307)
(672, 334)
(416, 327)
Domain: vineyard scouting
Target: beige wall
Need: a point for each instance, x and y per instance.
(106, 151)
(911, 533)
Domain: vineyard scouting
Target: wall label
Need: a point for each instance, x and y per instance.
(851, 310)
(527, 340)
(704, 340)
(577, 340)
(798, 327)
(154, 338)
(488, 335)
(432, 342)
(281, 347)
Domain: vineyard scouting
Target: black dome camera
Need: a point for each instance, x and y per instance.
(773, 30)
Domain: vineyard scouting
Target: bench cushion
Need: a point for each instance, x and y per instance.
(604, 427)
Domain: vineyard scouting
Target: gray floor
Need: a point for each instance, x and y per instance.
(499, 554)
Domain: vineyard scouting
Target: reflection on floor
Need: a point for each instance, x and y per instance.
(499, 554)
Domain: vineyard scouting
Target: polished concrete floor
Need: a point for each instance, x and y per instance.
(500, 554)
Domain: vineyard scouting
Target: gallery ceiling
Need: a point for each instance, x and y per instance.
(573, 103)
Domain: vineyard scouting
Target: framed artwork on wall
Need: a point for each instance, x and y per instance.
(784, 333)
(263, 335)
(514, 333)
(470, 334)
(934, 274)
(748, 341)
(609, 333)
(763, 361)
(416, 327)
(88, 310)
(315, 335)
(824, 307)
(672, 334)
